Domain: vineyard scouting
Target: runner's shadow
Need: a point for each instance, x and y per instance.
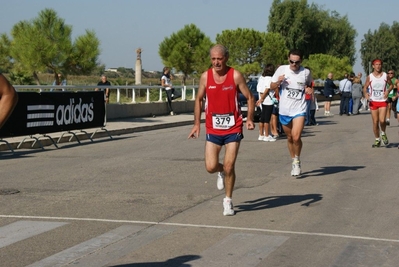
(329, 170)
(180, 261)
(392, 145)
(278, 201)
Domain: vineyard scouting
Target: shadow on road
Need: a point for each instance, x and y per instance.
(178, 261)
(277, 201)
(329, 170)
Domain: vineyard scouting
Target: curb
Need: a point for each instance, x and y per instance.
(41, 141)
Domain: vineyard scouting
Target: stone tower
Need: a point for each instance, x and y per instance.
(138, 66)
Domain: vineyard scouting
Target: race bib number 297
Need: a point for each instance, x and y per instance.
(223, 121)
(294, 93)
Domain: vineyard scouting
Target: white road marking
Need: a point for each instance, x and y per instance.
(21, 230)
(203, 226)
(105, 248)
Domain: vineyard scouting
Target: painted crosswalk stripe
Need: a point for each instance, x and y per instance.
(104, 248)
(239, 249)
(21, 230)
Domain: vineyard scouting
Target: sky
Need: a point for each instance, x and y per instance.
(123, 26)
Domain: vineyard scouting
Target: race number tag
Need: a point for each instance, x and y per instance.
(223, 121)
(378, 94)
(294, 93)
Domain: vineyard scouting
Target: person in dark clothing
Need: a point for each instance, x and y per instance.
(329, 87)
(104, 82)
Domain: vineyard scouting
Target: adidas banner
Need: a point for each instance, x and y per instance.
(47, 112)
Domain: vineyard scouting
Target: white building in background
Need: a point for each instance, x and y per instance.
(112, 69)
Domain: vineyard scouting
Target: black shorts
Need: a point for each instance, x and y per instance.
(329, 97)
(389, 100)
(266, 113)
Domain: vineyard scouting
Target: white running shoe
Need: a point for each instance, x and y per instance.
(220, 181)
(296, 168)
(269, 138)
(228, 209)
(261, 137)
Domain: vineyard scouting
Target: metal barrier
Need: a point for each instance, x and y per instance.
(133, 88)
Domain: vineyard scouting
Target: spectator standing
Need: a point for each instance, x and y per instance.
(166, 82)
(357, 94)
(313, 108)
(219, 86)
(275, 126)
(397, 102)
(329, 91)
(294, 81)
(345, 88)
(8, 99)
(376, 91)
(104, 82)
(309, 98)
(392, 98)
(60, 81)
(266, 102)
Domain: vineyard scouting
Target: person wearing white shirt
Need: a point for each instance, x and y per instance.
(294, 82)
(345, 88)
(266, 101)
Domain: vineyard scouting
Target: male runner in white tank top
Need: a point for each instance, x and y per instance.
(376, 92)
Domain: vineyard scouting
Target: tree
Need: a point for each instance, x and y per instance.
(186, 51)
(338, 36)
(274, 50)
(382, 43)
(83, 58)
(245, 49)
(322, 64)
(45, 44)
(311, 29)
(395, 30)
(5, 58)
(251, 50)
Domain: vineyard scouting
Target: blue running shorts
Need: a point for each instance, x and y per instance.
(285, 120)
(221, 140)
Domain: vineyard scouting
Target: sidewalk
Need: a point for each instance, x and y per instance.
(112, 128)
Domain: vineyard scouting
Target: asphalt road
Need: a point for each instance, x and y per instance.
(145, 199)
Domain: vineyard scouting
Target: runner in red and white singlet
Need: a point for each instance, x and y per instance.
(223, 114)
(220, 86)
(376, 92)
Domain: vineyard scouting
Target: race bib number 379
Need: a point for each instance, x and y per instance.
(223, 121)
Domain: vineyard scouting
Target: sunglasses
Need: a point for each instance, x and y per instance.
(294, 62)
(390, 72)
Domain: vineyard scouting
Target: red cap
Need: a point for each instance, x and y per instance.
(377, 60)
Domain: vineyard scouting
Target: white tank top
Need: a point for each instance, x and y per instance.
(378, 87)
